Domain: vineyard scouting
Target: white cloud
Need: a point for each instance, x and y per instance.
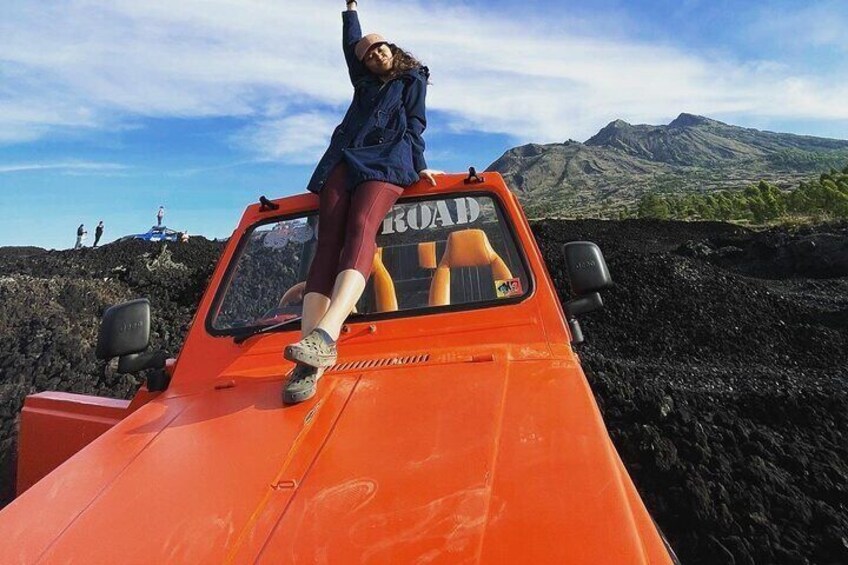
(296, 139)
(71, 167)
(85, 64)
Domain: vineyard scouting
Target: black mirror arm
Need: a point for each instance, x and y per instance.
(135, 362)
(583, 305)
(576, 331)
(577, 307)
(158, 378)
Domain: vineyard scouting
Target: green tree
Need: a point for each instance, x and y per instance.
(724, 206)
(652, 206)
(773, 200)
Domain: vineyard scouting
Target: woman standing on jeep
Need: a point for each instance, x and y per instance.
(374, 153)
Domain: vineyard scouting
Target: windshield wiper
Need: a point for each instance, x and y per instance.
(241, 338)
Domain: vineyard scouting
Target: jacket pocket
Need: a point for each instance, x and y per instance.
(389, 115)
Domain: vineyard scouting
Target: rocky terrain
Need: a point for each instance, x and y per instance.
(615, 167)
(50, 308)
(719, 362)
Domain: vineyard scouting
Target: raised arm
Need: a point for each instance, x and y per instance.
(351, 34)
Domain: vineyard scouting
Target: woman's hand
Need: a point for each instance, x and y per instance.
(430, 175)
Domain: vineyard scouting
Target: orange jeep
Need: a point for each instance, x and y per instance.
(456, 427)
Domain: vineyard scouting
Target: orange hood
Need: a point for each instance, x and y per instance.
(494, 461)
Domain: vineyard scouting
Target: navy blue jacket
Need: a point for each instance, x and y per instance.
(380, 136)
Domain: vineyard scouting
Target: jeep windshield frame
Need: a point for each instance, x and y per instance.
(504, 219)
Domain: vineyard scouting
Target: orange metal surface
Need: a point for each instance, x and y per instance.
(480, 443)
(55, 425)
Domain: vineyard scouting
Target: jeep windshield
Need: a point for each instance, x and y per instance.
(433, 254)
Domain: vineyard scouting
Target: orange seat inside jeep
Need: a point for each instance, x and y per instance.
(427, 255)
(465, 248)
(385, 297)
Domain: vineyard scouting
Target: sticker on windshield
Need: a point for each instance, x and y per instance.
(284, 232)
(508, 287)
(301, 233)
(431, 214)
(276, 239)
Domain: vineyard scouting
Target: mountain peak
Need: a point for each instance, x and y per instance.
(691, 120)
(610, 132)
(617, 124)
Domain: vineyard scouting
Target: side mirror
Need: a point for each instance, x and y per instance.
(587, 270)
(125, 334)
(588, 275)
(124, 330)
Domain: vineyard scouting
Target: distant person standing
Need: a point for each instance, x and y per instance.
(98, 233)
(159, 215)
(80, 236)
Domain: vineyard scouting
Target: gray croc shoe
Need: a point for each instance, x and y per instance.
(312, 350)
(301, 384)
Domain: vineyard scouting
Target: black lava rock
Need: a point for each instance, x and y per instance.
(719, 363)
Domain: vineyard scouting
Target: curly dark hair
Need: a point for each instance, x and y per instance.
(402, 62)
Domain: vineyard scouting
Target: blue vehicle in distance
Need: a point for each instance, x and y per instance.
(158, 233)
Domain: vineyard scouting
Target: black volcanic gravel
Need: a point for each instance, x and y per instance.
(724, 391)
(719, 361)
(50, 308)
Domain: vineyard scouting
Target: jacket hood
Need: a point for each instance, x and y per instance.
(420, 73)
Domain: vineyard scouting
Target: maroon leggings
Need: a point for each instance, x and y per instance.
(347, 228)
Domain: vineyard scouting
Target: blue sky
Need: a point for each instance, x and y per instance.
(109, 109)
